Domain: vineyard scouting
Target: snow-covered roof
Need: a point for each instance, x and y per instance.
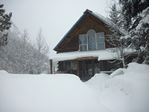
(107, 54)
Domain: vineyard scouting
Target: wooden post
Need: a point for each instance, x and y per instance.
(78, 69)
(51, 66)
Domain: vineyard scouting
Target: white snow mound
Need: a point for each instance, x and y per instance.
(124, 93)
(46, 93)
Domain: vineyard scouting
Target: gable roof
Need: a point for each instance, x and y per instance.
(99, 17)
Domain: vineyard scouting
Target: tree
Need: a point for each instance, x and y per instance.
(41, 43)
(4, 25)
(114, 14)
(136, 14)
(43, 50)
(20, 56)
(116, 32)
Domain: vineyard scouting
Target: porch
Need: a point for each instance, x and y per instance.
(86, 68)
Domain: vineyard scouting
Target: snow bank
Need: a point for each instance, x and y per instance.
(124, 93)
(126, 90)
(119, 71)
(3, 72)
(97, 82)
(46, 93)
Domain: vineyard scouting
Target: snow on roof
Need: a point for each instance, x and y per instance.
(107, 54)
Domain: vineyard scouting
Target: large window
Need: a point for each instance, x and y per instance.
(91, 41)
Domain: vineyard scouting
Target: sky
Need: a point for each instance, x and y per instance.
(54, 17)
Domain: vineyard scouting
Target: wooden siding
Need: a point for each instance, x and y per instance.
(71, 42)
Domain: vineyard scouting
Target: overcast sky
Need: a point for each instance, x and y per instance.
(55, 17)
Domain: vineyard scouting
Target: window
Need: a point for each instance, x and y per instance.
(100, 40)
(83, 42)
(92, 41)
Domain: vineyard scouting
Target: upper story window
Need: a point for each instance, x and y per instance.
(91, 41)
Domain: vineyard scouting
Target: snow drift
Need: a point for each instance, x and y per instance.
(126, 90)
(46, 93)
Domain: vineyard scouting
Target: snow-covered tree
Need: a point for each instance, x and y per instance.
(136, 14)
(20, 56)
(41, 43)
(4, 25)
(114, 14)
(117, 32)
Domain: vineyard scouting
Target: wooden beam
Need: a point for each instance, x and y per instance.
(51, 66)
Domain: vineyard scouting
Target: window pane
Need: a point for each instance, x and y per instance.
(100, 46)
(82, 39)
(91, 40)
(83, 47)
(100, 40)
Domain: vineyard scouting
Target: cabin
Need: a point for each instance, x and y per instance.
(84, 50)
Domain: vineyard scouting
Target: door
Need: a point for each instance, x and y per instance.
(86, 69)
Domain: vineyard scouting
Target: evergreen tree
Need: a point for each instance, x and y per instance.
(4, 25)
(131, 9)
(136, 15)
(116, 32)
(114, 14)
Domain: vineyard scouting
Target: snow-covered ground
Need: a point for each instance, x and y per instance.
(126, 90)
(46, 93)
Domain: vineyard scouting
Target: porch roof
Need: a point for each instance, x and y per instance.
(107, 54)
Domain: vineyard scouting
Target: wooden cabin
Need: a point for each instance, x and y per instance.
(84, 51)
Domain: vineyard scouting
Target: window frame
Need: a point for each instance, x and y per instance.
(100, 41)
(96, 41)
(80, 44)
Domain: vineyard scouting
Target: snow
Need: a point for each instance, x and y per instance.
(105, 54)
(3, 72)
(46, 93)
(119, 71)
(145, 18)
(125, 91)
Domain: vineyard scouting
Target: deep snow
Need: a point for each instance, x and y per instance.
(46, 93)
(125, 90)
